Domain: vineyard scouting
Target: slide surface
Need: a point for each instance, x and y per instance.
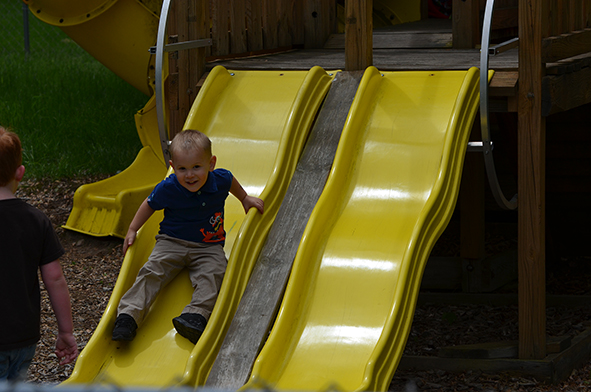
(106, 207)
(350, 300)
(258, 132)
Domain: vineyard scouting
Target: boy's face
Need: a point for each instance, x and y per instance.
(192, 168)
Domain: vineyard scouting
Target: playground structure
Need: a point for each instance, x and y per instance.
(406, 261)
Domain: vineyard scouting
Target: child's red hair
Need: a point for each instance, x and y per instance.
(11, 155)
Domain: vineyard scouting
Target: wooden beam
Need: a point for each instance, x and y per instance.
(358, 34)
(504, 18)
(571, 64)
(503, 84)
(565, 45)
(566, 91)
(531, 184)
(466, 24)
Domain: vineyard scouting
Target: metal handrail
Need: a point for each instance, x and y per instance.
(159, 50)
(487, 144)
(164, 140)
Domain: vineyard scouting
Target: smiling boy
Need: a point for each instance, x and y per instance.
(191, 236)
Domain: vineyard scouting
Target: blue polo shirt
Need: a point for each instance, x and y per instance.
(193, 216)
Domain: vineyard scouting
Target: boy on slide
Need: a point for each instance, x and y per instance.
(191, 236)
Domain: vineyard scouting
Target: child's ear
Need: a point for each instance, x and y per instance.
(20, 173)
(212, 162)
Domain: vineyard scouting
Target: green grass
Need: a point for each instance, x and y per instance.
(73, 115)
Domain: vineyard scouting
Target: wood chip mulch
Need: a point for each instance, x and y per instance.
(91, 266)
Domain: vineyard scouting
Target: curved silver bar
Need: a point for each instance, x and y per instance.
(160, 110)
(487, 145)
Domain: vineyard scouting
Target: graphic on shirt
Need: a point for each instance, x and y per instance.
(217, 234)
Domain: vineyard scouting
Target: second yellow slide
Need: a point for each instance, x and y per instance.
(350, 299)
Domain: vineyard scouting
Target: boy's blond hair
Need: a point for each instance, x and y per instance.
(11, 155)
(190, 139)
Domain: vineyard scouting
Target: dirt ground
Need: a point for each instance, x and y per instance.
(91, 266)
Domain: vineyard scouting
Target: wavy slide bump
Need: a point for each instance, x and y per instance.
(258, 132)
(349, 303)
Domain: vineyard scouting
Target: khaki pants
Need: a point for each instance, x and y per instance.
(206, 264)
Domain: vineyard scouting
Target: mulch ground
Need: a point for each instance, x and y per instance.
(91, 266)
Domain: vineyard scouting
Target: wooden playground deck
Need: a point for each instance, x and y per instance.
(426, 46)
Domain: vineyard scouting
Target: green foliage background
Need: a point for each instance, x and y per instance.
(74, 116)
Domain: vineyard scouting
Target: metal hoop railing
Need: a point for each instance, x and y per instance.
(159, 50)
(487, 144)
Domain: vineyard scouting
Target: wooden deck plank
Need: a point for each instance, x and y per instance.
(385, 40)
(383, 59)
(503, 84)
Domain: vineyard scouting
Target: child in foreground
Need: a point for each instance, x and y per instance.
(191, 236)
(28, 243)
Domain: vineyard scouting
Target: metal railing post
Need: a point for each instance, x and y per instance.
(487, 144)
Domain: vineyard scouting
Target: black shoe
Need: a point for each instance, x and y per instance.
(125, 327)
(190, 326)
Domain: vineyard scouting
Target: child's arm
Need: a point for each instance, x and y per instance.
(141, 216)
(247, 201)
(66, 348)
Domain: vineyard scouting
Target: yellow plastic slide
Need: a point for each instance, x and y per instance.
(106, 207)
(118, 33)
(349, 303)
(258, 132)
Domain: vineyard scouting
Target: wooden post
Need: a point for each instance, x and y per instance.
(358, 34)
(531, 184)
(465, 24)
